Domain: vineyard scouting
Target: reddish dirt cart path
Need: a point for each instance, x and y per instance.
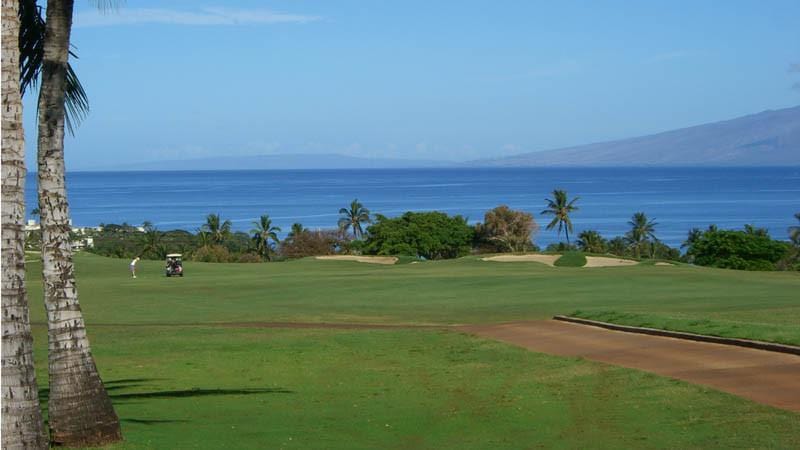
(766, 377)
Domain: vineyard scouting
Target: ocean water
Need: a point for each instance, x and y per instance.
(677, 198)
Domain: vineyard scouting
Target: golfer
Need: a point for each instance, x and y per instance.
(133, 266)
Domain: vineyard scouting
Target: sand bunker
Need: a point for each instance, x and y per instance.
(544, 259)
(388, 260)
(602, 261)
(664, 264)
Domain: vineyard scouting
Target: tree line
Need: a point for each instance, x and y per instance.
(435, 235)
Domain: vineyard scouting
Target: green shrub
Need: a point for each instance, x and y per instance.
(571, 259)
(730, 249)
(249, 258)
(430, 235)
(213, 254)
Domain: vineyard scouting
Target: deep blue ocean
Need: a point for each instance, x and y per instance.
(677, 198)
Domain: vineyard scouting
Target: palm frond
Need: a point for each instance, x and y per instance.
(105, 6)
(31, 62)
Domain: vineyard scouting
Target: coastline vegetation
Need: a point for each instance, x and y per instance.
(435, 235)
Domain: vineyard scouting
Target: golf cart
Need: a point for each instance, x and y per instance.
(174, 265)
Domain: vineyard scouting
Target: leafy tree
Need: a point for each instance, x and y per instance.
(217, 229)
(353, 217)
(733, 249)
(505, 229)
(311, 243)
(431, 235)
(263, 233)
(591, 241)
(240, 242)
(642, 232)
(794, 232)
(560, 208)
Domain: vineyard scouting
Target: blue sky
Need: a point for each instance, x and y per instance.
(450, 80)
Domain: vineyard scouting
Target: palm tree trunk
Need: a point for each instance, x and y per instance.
(566, 232)
(80, 411)
(22, 426)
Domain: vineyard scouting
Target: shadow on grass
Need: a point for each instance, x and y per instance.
(115, 385)
(197, 392)
(151, 421)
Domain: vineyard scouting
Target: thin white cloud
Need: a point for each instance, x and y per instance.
(201, 17)
(666, 56)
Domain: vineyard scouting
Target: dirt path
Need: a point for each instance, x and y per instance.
(765, 377)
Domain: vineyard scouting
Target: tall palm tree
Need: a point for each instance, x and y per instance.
(353, 217)
(642, 231)
(591, 241)
(262, 234)
(297, 229)
(151, 241)
(218, 229)
(203, 238)
(80, 411)
(22, 425)
(794, 231)
(692, 237)
(560, 207)
(752, 229)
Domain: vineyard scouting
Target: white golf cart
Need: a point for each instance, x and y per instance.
(174, 265)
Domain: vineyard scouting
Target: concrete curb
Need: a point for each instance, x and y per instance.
(760, 345)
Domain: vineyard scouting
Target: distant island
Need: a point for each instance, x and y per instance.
(769, 138)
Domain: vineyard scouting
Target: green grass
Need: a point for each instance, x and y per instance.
(571, 259)
(785, 334)
(184, 371)
(466, 290)
(220, 387)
